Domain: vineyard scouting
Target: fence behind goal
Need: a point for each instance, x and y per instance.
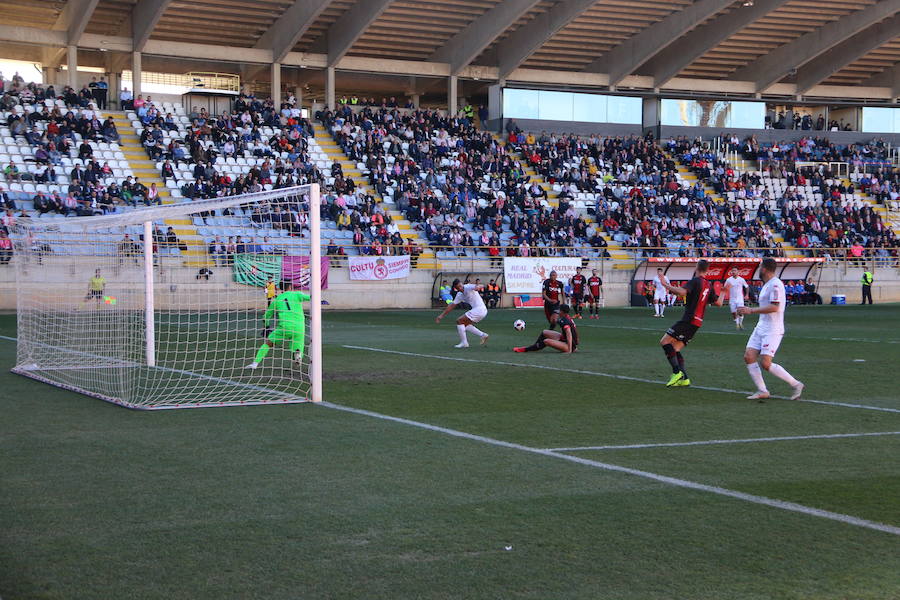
(108, 308)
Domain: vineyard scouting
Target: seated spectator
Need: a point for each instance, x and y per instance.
(810, 294)
(6, 248)
(11, 172)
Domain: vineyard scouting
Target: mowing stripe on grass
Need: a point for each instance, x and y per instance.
(824, 436)
(672, 481)
(611, 376)
(661, 330)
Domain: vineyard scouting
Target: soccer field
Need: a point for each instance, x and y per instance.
(441, 473)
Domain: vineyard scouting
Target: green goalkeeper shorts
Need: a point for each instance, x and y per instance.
(296, 337)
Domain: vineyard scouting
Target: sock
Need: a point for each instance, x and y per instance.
(672, 357)
(462, 334)
(261, 353)
(537, 345)
(680, 360)
(757, 377)
(740, 319)
(662, 310)
(475, 330)
(780, 372)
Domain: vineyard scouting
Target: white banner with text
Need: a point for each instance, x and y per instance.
(525, 275)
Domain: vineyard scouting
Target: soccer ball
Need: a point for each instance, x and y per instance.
(519, 325)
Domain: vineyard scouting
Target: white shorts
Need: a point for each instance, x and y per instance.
(476, 315)
(660, 297)
(734, 304)
(766, 343)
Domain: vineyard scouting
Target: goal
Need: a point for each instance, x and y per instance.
(165, 307)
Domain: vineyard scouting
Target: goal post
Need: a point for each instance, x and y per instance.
(168, 307)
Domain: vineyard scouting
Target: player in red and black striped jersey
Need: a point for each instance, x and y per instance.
(565, 340)
(595, 289)
(553, 292)
(578, 282)
(698, 293)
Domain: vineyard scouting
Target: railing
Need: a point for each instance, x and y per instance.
(841, 169)
(48, 248)
(194, 79)
(214, 81)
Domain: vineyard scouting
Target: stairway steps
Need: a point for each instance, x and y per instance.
(146, 170)
(335, 154)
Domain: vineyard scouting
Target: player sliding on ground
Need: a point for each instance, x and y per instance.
(737, 294)
(565, 340)
(697, 294)
(290, 325)
(467, 293)
(768, 333)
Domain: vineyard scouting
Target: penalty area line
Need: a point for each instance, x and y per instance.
(787, 438)
(664, 479)
(611, 376)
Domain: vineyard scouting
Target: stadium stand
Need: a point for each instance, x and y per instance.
(396, 179)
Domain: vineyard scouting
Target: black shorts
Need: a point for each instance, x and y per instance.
(578, 296)
(683, 332)
(551, 308)
(94, 294)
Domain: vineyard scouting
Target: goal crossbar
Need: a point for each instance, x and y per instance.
(182, 209)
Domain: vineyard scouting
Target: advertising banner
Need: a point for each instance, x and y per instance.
(378, 268)
(525, 275)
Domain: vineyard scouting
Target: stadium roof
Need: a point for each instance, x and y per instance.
(784, 48)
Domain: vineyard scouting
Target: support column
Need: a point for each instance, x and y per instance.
(136, 74)
(298, 95)
(495, 108)
(415, 99)
(452, 95)
(329, 88)
(114, 81)
(276, 85)
(72, 64)
(650, 116)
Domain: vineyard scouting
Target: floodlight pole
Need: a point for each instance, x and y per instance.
(149, 298)
(315, 293)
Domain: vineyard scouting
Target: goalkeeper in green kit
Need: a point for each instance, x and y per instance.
(289, 326)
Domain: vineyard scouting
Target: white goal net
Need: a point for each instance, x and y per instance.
(206, 303)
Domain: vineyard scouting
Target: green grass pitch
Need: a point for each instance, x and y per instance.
(303, 501)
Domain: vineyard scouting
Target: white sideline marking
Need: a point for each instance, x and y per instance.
(612, 376)
(745, 334)
(825, 436)
(673, 481)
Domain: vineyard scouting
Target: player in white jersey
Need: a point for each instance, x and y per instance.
(767, 335)
(660, 293)
(737, 293)
(468, 293)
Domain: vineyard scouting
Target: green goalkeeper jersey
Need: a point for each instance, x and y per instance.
(287, 308)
